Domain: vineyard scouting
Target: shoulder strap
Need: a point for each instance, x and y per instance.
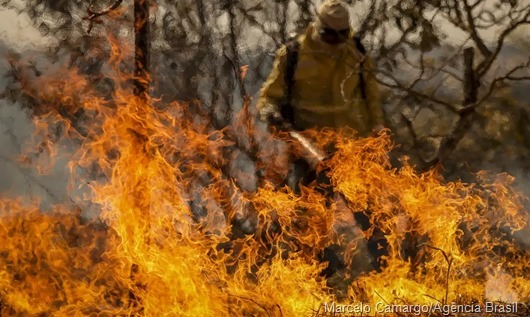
(291, 61)
(360, 47)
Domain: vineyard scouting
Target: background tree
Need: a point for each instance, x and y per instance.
(447, 68)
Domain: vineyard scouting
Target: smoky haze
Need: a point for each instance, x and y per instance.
(212, 82)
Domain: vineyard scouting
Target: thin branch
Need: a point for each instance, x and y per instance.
(402, 39)
(400, 86)
(93, 16)
(237, 74)
(449, 263)
(507, 76)
(422, 71)
(459, 18)
(473, 30)
(432, 297)
(518, 78)
(484, 67)
(474, 5)
(254, 22)
(489, 19)
(384, 300)
(368, 19)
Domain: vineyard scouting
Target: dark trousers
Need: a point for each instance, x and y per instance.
(300, 173)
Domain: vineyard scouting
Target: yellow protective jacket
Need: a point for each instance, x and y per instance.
(326, 90)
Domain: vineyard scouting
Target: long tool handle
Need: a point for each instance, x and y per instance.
(312, 154)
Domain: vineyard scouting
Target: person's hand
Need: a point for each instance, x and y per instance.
(269, 112)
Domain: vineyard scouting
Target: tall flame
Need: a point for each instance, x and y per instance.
(165, 244)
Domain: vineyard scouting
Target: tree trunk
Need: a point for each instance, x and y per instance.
(142, 44)
(471, 83)
(471, 86)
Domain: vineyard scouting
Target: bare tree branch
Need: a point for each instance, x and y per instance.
(484, 67)
(402, 87)
(363, 28)
(254, 22)
(93, 16)
(473, 30)
(508, 76)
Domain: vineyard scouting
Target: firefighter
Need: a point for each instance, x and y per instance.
(324, 79)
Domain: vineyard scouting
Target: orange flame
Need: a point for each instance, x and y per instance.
(153, 253)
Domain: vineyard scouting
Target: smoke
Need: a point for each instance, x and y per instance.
(16, 127)
(17, 180)
(19, 176)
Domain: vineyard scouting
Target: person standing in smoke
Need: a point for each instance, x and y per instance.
(324, 79)
(332, 83)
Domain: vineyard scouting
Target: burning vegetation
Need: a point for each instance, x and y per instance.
(168, 242)
(171, 232)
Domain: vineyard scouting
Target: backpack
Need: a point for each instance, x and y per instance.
(292, 48)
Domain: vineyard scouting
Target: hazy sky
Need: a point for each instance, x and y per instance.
(17, 32)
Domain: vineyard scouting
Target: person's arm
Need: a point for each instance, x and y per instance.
(372, 95)
(273, 91)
